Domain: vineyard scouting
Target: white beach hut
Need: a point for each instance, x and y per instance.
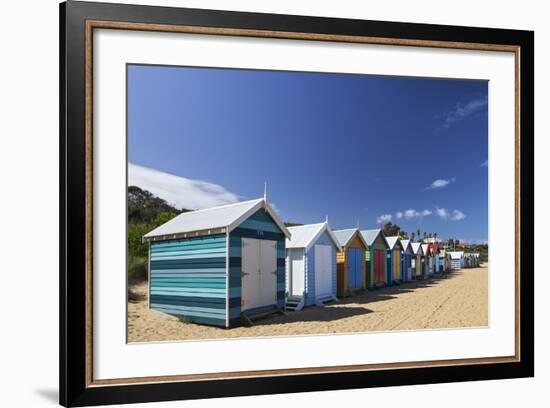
(311, 265)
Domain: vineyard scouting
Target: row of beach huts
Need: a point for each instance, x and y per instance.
(228, 265)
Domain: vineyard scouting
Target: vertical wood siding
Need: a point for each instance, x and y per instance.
(188, 278)
(259, 226)
(311, 277)
(343, 267)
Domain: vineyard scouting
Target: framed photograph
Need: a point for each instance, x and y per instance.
(256, 203)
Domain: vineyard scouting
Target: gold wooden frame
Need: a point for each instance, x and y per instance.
(98, 24)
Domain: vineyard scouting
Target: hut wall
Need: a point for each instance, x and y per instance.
(341, 273)
(188, 278)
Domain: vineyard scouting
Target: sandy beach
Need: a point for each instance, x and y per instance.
(458, 299)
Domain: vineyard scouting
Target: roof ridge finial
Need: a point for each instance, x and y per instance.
(326, 219)
(358, 224)
(265, 191)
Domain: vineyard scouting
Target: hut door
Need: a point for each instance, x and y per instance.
(297, 272)
(259, 268)
(379, 260)
(251, 273)
(355, 261)
(323, 270)
(268, 272)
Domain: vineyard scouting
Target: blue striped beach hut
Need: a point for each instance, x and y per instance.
(406, 259)
(311, 265)
(219, 265)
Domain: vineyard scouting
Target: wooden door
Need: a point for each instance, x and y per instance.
(259, 273)
(250, 282)
(323, 270)
(297, 272)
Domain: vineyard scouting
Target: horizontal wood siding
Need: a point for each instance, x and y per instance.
(259, 226)
(188, 278)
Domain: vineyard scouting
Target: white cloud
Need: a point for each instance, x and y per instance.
(458, 215)
(399, 215)
(384, 218)
(485, 163)
(412, 213)
(442, 213)
(440, 183)
(179, 191)
(462, 111)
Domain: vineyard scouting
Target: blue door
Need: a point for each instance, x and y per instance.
(355, 261)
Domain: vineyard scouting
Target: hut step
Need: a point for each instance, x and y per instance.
(294, 303)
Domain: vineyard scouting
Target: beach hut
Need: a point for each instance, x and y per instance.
(219, 266)
(376, 257)
(417, 267)
(435, 253)
(476, 259)
(428, 260)
(442, 259)
(350, 261)
(394, 253)
(311, 265)
(457, 259)
(406, 260)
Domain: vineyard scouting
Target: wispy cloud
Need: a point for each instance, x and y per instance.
(398, 215)
(462, 111)
(179, 191)
(384, 218)
(485, 163)
(440, 183)
(458, 215)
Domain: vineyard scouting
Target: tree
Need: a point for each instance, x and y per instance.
(412, 236)
(390, 229)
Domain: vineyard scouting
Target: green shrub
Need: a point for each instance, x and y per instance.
(137, 268)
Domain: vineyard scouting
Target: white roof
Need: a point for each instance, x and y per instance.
(344, 236)
(392, 241)
(456, 254)
(304, 236)
(226, 216)
(405, 243)
(416, 248)
(424, 249)
(370, 235)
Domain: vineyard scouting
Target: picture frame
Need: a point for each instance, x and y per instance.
(78, 20)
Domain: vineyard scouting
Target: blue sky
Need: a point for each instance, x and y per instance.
(353, 147)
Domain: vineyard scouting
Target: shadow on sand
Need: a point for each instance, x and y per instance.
(353, 305)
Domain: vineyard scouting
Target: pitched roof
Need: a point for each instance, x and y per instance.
(456, 254)
(416, 248)
(392, 241)
(425, 249)
(405, 243)
(304, 236)
(345, 236)
(370, 235)
(226, 216)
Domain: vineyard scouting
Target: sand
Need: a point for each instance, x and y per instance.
(458, 299)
